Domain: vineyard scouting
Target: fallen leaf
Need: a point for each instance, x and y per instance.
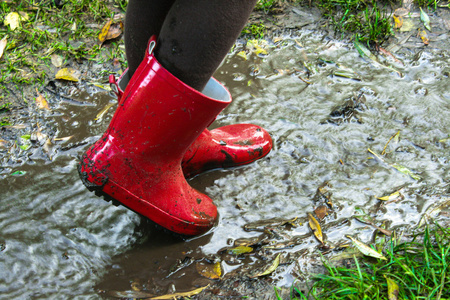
(3, 43)
(41, 102)
(104, 31)
(180, 295)
(366, 250)
(104, 110)
(63, 139)
(211, 271)
(243, 55)
(240, 250)
(390, 197)
(398, 21)
(425, 19)
(68, 74)
(271, 268)
(407, 25)
(393, 289)
(400, 168)
(13, 20)
(114, 31)
(57, 60)
(321, 211)
(315, 226)
(423, 36)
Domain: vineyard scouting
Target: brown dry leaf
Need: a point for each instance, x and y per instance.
(179, 295)
(41, 102)
(3, 43)
(68, 74)
(3, 143)
(104, 31)
(114, 31)
(315, 226)
(321, 211)
(63, 139)
(211, 271)
(424, 36)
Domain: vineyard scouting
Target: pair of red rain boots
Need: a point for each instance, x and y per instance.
(158, 136)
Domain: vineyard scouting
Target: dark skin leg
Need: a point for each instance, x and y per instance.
(193, 38)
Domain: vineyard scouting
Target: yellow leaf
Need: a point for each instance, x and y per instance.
(398, 21)
(366, 250)
(114, 31)
(392, 196)
(242, 54)
(13, 20)
(104, 31)
(3, 43)
(67, 74)
(240, 250)
(104, 110)
(270, 269)
(211, 271)
(41, 102)
(179, 295)
(424, 36)
(315, 226)
(393, 289)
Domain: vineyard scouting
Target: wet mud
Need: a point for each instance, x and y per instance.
(58, 240)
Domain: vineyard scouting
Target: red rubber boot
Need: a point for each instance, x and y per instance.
(138, 159)
(223, 147)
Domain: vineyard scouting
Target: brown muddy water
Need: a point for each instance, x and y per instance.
(60, 241)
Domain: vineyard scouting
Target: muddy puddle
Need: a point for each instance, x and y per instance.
(58, 240)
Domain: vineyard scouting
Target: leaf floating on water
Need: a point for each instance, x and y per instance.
(393, 289)
(3, 43)
(366, 250)
(104, 110)
(180, 295)
(41, 102)
(240, 250)
(68, 74)
(18, 173)
(406, 171)
(425, 19)
(423, 36)
(270, 269)
(321, 211)
(400, 168)
(390, 197)
(243, 55)
(396, 138)
(347, 74)
(104, 31)
(211, 271)
(315, 226)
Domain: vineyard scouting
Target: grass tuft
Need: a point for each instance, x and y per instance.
(416, 269)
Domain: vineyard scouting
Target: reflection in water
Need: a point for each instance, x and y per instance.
(58, 240)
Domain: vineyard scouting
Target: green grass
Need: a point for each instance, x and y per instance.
(69, 31)
(420, 268)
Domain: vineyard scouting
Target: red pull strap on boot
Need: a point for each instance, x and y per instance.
(138, 159)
